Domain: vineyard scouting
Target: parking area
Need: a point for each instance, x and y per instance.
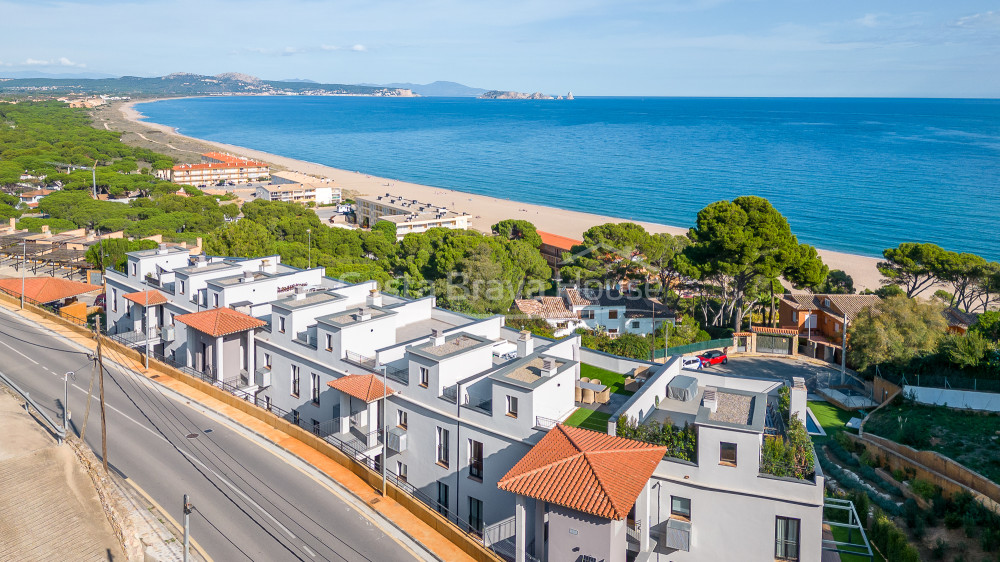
(781, 368)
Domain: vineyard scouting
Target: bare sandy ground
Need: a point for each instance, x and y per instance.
(486, 211)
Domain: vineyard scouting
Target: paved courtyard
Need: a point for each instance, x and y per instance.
(816, 375)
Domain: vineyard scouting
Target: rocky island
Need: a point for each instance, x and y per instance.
(501, 95)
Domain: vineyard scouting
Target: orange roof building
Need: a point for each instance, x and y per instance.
(553, 246)
(219, 322)
(46, 289)
(367, 388)
(146, 298)
(585, 471)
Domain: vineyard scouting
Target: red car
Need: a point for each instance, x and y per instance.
(713, 357)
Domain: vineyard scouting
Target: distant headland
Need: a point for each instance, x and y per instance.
(505, 95)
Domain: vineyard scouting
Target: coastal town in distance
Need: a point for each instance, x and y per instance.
(687, 281)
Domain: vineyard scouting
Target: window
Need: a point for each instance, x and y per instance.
(315, 426)
(795, 316)
(442, 447)
(401, 471)
(442, 498)
(114, 300)
(135, 270)
(215, 300)
(281, 324)
(182, 287)
(267, 403)
(587, 314)
(267, 360)
(329, 342)
(680, 508)
(635, 324)
(401, 419)
(315, 388)
(826, 303)
(727, 454)
(512, 406)
(295, 417)
(425, 376)
(295, 381)
(612, 315)
(786, 538)
(475, 514)
(836, 327)
(475, 460)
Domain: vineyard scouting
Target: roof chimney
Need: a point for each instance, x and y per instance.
(549, 367)
(709, 399)
(201, 262)
(525, 344)
(300, 293)
(362, 315)
(437, 336)
(247, 277)
(161, 249)
(374, 298)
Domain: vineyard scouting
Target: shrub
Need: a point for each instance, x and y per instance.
(969, 524)
(990, 539)
(952, 520)
(939, 550)
(899, 475)
(891, 540)
(923, 488)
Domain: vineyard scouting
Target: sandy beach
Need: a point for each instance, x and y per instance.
(484, 210)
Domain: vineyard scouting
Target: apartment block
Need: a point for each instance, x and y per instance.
(409, 215)
(469, 416)
(216, 167)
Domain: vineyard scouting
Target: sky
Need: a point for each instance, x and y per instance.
(912, 48)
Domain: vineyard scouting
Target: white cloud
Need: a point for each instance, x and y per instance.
(359, 48)
(66, 62)
(984, 19)
(36, 62)
(868, 20)
(61, 61)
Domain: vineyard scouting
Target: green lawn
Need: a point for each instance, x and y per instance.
(612, 380)
(589, 419)
(964, 436)
(840, 535)
(831, 418)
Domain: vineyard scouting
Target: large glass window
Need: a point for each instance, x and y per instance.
(680, 508)
(727, 454)
(442, 498)
(442, 447)
(475, 459)
(786, 538)
(476, 514)
(295, 381)
(315, 388)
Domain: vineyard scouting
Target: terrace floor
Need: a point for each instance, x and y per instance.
(595, 416)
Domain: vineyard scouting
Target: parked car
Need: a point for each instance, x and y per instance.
(713, 357)
(692, 363)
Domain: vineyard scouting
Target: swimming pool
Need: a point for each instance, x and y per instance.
(812, 425)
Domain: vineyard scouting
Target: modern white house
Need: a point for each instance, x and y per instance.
(467, 414)
(409, 215)
(608, 310)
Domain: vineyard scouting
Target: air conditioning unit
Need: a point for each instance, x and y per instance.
(168, 333)
(397, 439)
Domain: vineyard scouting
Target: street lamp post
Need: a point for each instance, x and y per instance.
(24, 262)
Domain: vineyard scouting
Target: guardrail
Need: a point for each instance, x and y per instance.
(28, 402)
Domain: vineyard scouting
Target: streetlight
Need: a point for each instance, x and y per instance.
(24, 262)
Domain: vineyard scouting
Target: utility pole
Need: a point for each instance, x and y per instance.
(384, 424)
(24, 263)
(104, 422)
(188, 508)
(66, 378)
(843, 354)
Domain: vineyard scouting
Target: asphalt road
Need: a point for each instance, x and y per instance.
(251, 503)
(816, 376)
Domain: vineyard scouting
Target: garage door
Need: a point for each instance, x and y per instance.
(774, 344)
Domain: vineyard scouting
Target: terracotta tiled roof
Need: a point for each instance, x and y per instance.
(839, 304)
(544, 307)
(147, 298)
(777, 331)
(47, 289)
(363, 387)
(959, 318)
(220, 321)
(585, 470)
(556, 241)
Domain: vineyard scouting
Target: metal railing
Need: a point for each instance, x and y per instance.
(361, 360)
(59, 430)
(450, 393)
(398, 375)
(693, 347)
(545, 423)
(484, 405)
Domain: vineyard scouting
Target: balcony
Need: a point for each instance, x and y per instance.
(450, 393)
(481, 405)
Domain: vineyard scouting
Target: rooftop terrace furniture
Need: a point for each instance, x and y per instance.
(584, 379)
(603, 397)
(587, 396)
(594, 386)
(579, 394)
(682, 387)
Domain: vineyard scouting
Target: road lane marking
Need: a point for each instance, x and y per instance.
(19, 353)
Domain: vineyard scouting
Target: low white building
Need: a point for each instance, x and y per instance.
(607, 310)
(409, 215)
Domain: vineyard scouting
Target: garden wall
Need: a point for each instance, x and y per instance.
(969, 399)
(937, 469)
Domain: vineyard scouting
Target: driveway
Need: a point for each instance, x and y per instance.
(779, 368)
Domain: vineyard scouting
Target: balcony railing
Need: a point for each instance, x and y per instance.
(361, 360)
(483, 405)
(398, 375)
(450, 393)
(545, 423)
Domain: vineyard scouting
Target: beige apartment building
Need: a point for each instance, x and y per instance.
(216, 167)
(409, 215)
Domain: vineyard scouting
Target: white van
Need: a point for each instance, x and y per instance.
(691, 363)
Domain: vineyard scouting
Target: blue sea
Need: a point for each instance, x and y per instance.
(854, 175)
